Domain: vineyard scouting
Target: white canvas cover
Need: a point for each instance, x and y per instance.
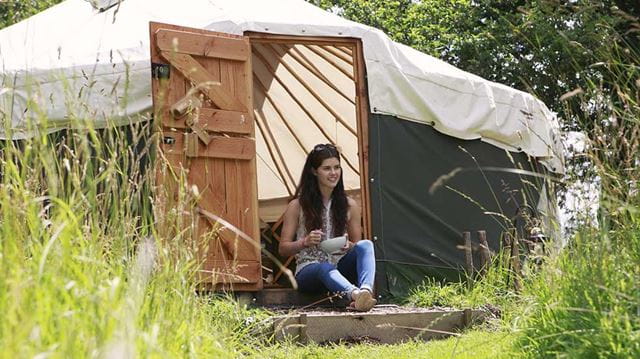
(83, 66)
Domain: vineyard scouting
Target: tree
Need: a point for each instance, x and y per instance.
(545, 47)
(13, 11)
(580, 57)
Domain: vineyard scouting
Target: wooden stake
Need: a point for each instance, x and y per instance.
(303, 328)
(485, 254)
(515, 260)
(468, 255)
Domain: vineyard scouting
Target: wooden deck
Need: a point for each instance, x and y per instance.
(384, 324)
(305, 317)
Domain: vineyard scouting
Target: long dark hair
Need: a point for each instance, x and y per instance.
(308, 193)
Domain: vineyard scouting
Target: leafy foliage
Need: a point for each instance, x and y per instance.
(13, 11)
(545, 47)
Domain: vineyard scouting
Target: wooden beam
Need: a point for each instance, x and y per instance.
(188, 144)
(346, 50)
(280, 114)
(268, 136)
(387, 326)
(203, 81)
(304, 61)
(284, 266)
(311, 90)
(330, 61)
(362, 120)
(485, 254)
(202, 45)
(288, 297)
(299, 103)
(468, 257)
(339, 54)
(515, 260)
(260, 37)
(217, 121)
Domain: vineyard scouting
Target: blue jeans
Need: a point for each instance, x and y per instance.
(357, 267)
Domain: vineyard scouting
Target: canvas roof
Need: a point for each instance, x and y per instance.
(83, 66)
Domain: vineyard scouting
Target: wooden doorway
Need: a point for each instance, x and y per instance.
(307, 90)
(202, 98)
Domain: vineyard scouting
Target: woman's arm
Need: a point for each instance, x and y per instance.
(288, 246)
(354, 227)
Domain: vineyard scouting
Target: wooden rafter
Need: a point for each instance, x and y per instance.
(330, 60)
(314, 94)
(304, 61)
(282, 117)
(346, 50)
(299, 103)
(310, 89)
(339, 54)
(261, 126)
(281, 271)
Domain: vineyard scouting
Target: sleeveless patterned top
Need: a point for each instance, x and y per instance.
(314, 254)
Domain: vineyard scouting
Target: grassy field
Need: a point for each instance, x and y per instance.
(474, 344)
(85, 272)
(85, 275)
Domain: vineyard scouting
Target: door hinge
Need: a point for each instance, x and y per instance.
(160, 71)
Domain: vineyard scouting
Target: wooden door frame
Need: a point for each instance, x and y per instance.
(361, 103)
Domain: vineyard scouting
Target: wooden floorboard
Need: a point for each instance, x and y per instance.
(291, 298)
(384, 324)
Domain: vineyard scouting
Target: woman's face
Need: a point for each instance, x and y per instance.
(328, 173)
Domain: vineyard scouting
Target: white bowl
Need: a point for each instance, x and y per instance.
(333, 245)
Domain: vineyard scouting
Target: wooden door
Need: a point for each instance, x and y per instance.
(202, 100)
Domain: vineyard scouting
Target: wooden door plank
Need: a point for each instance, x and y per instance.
(202, 45)
(220, 147)
(216, 120)
(201, 78)
(234, 148)
(231, 192)
(213, 68)
(249, 209)
(227, 78)
(238, 272)
(226, 121)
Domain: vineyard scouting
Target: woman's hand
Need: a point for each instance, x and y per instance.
(347, 246)
(313, 238)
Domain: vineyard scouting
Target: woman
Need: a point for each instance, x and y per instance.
(320, 210)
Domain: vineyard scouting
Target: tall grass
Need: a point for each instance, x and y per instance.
(583, 302)
(586, 302)
(85, 273)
